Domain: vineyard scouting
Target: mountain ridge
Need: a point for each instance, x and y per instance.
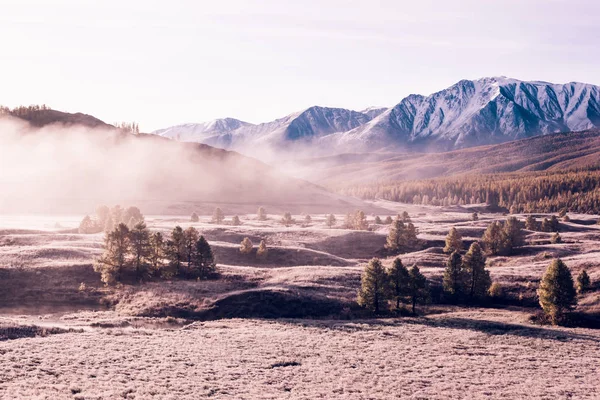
(469, 113)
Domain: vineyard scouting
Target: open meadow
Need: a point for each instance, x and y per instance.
(287, 326)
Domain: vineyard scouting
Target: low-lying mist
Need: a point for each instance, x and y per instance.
(73, 169)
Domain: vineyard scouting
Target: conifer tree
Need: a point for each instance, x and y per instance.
(262, 214)
(455, 278)
(556, 238)
(235, 221)
(513, 234)
(175, 250)
(139, 238)
(109, 226)
(262, 250)
(475, 216)
(557, 292)
(218, 216)
(360, 221)
(157, 252)
(203, 263)
(307, 219)
(453, 241)
(114, 260)
(388, 220)
(418, 290)
(331, 221)
(374, 290)
(378, 220)
(531, 223)
(87, 225)
(405, 217)
(479, 280)
(194, 217)
(287, 219)
(583, 282)
(399, 281)
(494, 238)
(102, 213)
(246, 246)
(190, 237)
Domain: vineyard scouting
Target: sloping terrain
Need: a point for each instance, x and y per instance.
(469, 113)
(560, 151)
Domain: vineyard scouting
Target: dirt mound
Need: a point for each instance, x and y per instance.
(271, 304)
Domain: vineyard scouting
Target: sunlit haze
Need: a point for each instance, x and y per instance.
(163, 63)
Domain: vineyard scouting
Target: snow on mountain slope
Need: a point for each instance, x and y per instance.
(306, 125)
(484, 111)
(469, 113)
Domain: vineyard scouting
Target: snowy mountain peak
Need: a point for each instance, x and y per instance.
(470, 112)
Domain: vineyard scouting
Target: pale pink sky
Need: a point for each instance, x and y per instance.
(162, 63)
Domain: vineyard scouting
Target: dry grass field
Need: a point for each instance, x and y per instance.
(286, 327)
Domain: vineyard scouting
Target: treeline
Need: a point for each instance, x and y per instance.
(106, 219)
(532, 192)
(138, 253)
(23, 111)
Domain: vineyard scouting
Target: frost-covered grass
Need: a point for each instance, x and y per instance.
(473, 354)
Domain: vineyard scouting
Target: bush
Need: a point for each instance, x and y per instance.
(496, 291)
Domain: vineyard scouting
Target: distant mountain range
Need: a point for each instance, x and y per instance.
(469, 113)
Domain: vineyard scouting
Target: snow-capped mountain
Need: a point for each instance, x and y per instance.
(483, 111)
(306, 125)
(469, 113)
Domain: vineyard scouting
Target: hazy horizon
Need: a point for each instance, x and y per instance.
(162, 65)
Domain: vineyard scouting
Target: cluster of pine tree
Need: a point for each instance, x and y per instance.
(139, 253)
(106, 219)
(402, 236)
(247, 247)
(547, 225)
(466, 276)
(397, 285)
(501, 238)
(356, 220)
(531, 192)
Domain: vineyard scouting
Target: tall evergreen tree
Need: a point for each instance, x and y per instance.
(494, 238)
(479, 280)
(190, 237)
(203, 263)
(513, 234)
(331, 221)
(455, 278)
(157, 252)
(583, 282)
(531, 223)
(557, 292)
(175, 250)
(374, 290)
(218, 216)
(139, 238)
(418, 289)
(399, 281)
(114, 260)
(262, 214)
(453, 241)
(194, 217)
(235, 221)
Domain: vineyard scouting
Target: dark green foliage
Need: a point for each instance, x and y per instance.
(557, 292)
(375, 288)
(399, 281)
(402, 237)
(455, 277)
(478, 281)
(203, 260)
(418, 290)
(139, 238)
(453, 241)
(115, 258)
(583, 282)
